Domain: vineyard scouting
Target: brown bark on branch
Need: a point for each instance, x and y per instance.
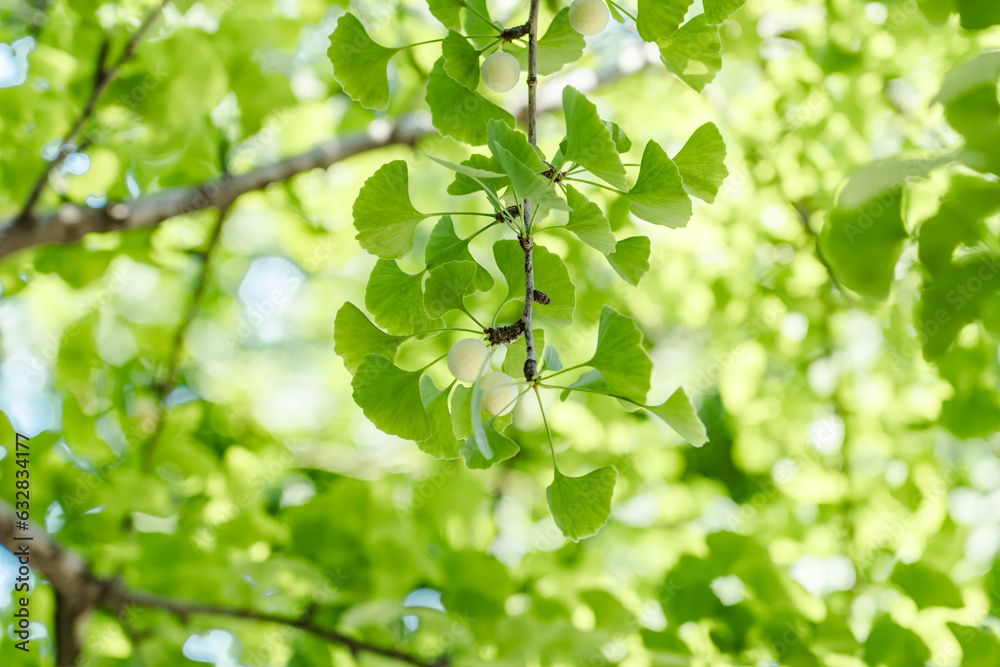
(177, 347)
(517, 32)
(505, 334)
(79, 591)
(71, 222)
(530, 364)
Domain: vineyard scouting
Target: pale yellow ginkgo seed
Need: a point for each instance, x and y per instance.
(468, 360)
(500, 72)
(589, 17)
(499, 393)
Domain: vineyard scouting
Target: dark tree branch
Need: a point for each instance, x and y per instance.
(505, 334)
(530, 364)
(79, 591)
(75, 586)
(517, 32)
(119, 601)
(177, 347)
(71, 615)
(71, 222)
(104, 77)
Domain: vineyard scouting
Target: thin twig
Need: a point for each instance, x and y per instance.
(161, 391)
(530, 363)
(304, 623)
(104, 77)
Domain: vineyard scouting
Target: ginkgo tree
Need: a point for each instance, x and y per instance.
(518, 186)
(178, 188)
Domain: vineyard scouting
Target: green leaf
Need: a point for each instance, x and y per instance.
(442, 444)
(960, 220)
(978, 14)
(444, 246)
(521, 163)
(458, 112)
(679, 414)
(359, 64)
(657, 19)
(863, 244)
(588, 140)
(969, 95)
(891, 645)
(355, 337)
(937, 11)
(501, 134)
(550, 359)
(461, 60)
(383, 215)
(447, 286)
(876, 178)
(559, 46)
(926, 586)
(702, 163)
(390, 398)
(477, 26)
(983, 70)
(517, 354)
(693, 53)
(472, 174)
(620, 358)
(587, 221)
(993, 587)
(591, 381)
(551, 277)
(658, 195)
(631, 258)
(461, 411)
(717, 11)
(615, 14)
(502, 448)
(666, 644)
(622, 143)
(980, 646)
(581, 505)
(448, 12)
(396, 300)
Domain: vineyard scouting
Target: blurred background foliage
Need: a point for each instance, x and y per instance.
(845, 512)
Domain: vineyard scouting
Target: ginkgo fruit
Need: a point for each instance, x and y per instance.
(499, 393)
(500, 72)
(589, 17)
(468, 360)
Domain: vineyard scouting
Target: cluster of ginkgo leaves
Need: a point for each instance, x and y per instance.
(957, 250)
(467, 419)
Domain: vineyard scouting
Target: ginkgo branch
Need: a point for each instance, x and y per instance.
(530, 363)
(104, 77)
(79, 592)
(71, 222)
(166, 385)
(517, 32)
